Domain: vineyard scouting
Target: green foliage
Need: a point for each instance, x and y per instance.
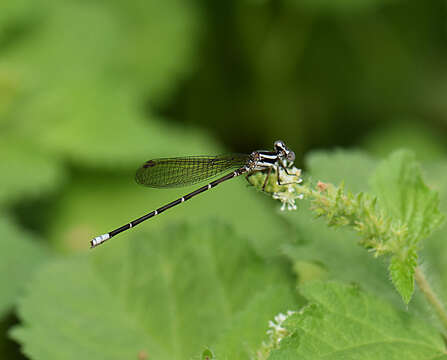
(380, 234)
(171, 294)
(408, 201)
(393, 222)
(408, 212)
(227, 293)
(26, 173)
(207, 355)
(402, 269)
(73, 98)
(244, 338)
(434, 254)
(343, 322)
(404, 196)
(90, 90)
(21, 256)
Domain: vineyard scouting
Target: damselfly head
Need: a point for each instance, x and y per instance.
(284, 153)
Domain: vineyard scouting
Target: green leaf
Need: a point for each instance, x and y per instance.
(117, 118)
(20, 256)
(76, 106)
(159, 49)
(402, 269)
(402, 192)
(407, 200)
(436, 174)
(26, 172)
(434, 252)
(342, 322)
(166, 294)
(240, 341)
(125, 46)
(336, 249)
(207, 354)
(309, 271)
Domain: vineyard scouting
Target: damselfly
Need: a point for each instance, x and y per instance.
(184, 171)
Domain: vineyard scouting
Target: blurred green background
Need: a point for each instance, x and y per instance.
(89, 90)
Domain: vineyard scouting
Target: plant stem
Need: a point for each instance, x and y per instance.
(430, 295)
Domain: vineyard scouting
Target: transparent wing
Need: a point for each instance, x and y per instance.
(184, 171)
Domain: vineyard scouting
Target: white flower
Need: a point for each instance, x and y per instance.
(280, 318)
(276, 332)
(287, 198)
(290, 176)
(288, 192)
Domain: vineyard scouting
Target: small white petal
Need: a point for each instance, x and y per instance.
(280, 318)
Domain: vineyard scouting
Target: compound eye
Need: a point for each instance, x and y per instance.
(291, 156)
(279, 144)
